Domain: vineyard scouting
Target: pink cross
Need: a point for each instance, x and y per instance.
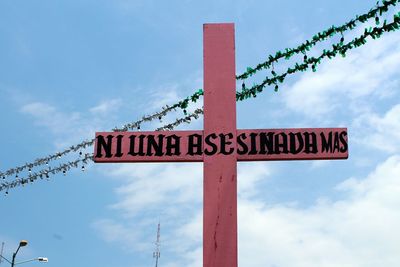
(220, 145)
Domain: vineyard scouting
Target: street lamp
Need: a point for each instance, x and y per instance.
(23, 243)
(42, 259)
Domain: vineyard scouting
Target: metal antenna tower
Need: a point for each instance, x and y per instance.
(156, 253)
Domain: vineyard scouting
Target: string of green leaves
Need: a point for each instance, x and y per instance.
(337, 49)
(379, 10)
(308, 62)
(287, 53)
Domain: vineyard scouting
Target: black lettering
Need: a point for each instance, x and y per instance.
(336, 145)
(253, 144)
(326, 144)
(102, 144)
(119, 146)
(292, 138)
(242, 144)
(211, 144)
(152, 144)
(173, 145)
(279, 144)
(310, 144)
(132, 142)
(132, 145)
(266, 141)
(195, 142)
(343, 140)
(224, 143)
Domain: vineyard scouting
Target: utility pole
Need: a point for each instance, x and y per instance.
(156, 253)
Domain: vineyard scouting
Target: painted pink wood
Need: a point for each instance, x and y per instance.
(316, 144)
(288, 144)
(220, 186)
(125, 148)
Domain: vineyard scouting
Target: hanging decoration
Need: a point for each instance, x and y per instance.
(183, 104)
(308, 62)
(45, 173)
(287, 53)
(337, 49)
(81, 161)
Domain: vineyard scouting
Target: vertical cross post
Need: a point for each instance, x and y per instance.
(218, 148)
(220, 186)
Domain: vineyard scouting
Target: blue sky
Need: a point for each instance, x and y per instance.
(71, 68)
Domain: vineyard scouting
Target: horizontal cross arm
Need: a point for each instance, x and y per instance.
(252, 145)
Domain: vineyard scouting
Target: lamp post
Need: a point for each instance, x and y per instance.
(23, 243)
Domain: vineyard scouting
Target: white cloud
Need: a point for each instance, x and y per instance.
(379, 132)
(356, 230)
(69, 127)
(171, 193)
(341, 84)
(48, 116)
(151, 186)
(249, 175)
(112, 231)
(106, 106)
(127, 237)
(174, 193)
(165, 96)
(168, 94)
